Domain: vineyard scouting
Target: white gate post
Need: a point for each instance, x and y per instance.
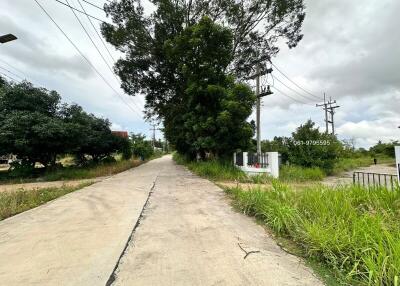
(273, 162)
(245, 159)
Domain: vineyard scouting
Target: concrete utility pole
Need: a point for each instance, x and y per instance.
(259, 95)
(258, 111)
(332, 112)
(329, 109)
(154, 135)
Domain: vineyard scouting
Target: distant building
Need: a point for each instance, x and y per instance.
(123, 134)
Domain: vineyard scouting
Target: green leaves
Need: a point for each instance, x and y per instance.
(36, 127)
(181, 40)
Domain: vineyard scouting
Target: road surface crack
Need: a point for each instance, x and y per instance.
(113, 275)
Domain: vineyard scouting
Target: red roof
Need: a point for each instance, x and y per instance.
(123, 134)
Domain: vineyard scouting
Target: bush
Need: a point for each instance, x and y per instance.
(141, 148)
(308, 147)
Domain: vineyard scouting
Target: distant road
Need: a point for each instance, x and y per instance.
(187, 234)
(347, 177)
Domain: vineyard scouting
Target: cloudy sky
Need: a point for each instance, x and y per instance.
(350, 50)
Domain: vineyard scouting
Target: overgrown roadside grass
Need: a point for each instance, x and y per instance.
(224, 171)
(213, 170)
(76, 173)
(15, 202)
(352, 230)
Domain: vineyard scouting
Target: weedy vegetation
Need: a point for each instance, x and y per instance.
(212, 169)
(70, 172)
(353, 230)
(15, 202)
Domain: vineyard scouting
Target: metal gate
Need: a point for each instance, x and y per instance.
(259, 160)
(375, 180)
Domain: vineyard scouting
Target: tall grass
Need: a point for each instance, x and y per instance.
(351, 229)
(300, 174)
(12, 203)
(73, 172)
(213, 169)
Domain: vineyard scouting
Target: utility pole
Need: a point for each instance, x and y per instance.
(332, 112)
(329, 112)
(325, 107)
(258, 111)
(154, 135)
(259, 95)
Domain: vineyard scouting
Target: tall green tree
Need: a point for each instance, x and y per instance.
(255, 25)
(211, 116)
(36, 127)
(29, 125)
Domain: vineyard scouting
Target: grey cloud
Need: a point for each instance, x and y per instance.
(38, 52)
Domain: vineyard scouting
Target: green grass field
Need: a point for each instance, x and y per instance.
(12, 203)
(352, 230)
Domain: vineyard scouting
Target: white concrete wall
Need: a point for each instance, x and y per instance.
(272, 169)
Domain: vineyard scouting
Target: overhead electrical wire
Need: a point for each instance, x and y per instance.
(98, 50)
(295, 91)
(84, 57)
(284, 94)
(94, 5)
(280, 71)
(10, 72)
(105, 46)
(10, 77)
(67, 5)
(101, 38)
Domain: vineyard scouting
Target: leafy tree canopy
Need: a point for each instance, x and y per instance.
(255, 27)
(36, 127)
(210, 118)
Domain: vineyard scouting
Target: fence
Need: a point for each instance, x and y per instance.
(375, 179)
(258, 160)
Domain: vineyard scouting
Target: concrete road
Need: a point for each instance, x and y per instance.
(78, 238)
(156, 224)
(189, 235)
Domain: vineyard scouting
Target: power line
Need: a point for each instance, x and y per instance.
(67, 5)
(295, 91)
(83, 56)
(284, 94)
(94, 44)
(13, 67)
(94, 5)
(10, 77)
(317, 97)
(10, 72)
(101, 38)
